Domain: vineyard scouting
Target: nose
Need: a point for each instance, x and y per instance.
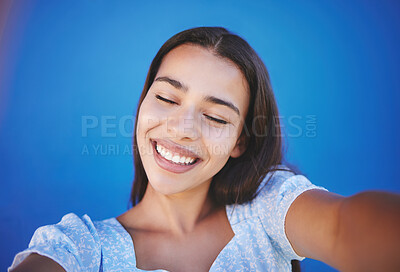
(183, 124)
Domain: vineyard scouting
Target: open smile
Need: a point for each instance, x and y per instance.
(173, 158)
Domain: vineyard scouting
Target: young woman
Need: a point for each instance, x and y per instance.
(211, 190)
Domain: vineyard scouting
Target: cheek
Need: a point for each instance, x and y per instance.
(220, 141)
(149, 117)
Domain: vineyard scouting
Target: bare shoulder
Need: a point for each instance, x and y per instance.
(38, 263)
(132, 218)
(312, 223)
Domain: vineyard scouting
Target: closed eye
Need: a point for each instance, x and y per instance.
(219, 121)
(165, 100)
(215, 119)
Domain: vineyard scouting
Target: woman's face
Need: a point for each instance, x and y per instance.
(190, 120)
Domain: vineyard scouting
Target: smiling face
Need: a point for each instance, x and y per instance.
(190, 120)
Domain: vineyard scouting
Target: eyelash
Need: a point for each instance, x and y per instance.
(165, 100)
(216, 120)
(219, 121)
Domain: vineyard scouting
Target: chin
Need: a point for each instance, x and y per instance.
(165, 187)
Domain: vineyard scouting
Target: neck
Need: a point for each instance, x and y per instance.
(178, 213)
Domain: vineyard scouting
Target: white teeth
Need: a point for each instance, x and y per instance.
(174, 158)
(168, 156)
(159, 149)
(189, 160)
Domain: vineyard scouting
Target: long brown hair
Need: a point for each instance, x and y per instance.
(238, 181)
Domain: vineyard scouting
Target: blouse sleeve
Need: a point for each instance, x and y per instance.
(273, 202)
(73, 243)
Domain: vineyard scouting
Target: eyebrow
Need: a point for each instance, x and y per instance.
(212, 99)
(173, 82)
(219, 101)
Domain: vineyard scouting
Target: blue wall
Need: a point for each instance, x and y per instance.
(334, 67)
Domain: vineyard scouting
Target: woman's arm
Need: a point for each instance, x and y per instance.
(357, 233)
(38, 263)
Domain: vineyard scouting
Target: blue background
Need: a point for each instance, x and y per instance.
(334, 67)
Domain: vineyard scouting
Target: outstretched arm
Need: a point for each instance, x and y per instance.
(357, 233)
(35, 262)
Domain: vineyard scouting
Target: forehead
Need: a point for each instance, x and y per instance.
(205, 73)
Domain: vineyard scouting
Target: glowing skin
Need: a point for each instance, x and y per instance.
(188, 121)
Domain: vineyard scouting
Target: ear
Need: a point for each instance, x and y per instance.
(240, 147)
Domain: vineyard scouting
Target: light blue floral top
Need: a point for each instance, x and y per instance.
(259, 244)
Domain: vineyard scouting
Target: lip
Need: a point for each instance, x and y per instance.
(170, 166)
(182, 151)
